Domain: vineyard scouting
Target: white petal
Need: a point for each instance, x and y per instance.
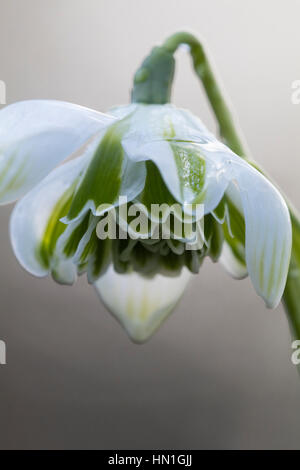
(122, 111)
(63, 271)
(110, 175)
(31, 216)
(164, 122)
(268, 232)
(140, 304)
(231, 263)
(193, 164)
(35, 136)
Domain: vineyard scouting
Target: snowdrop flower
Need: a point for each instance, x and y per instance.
(150, 154)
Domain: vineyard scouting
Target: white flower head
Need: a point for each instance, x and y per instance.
(150, 154)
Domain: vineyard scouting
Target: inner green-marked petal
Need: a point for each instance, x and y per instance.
(54, 228)
(103, 178)
(72, 242)
(155, 191)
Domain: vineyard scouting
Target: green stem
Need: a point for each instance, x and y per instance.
(231, 136)
(227, 128)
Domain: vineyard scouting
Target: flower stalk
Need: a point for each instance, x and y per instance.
(227, 128)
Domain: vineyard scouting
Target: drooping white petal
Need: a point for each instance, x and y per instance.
(35, 136)
(268, 232)
(140, 304)
(191, 161)
(109, 176)
(35, 226)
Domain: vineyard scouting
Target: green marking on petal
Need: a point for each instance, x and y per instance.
(121, 262)
(214, 235)
(234, 230)
(17, 178)
(169, 130)
(155, 191)
(89, 248)
(72, 243)
(262, 267)
(172, 262)
(100, 259)
(95, 255)
(102, 181)
(54, 228)
(191, 171)
(271, 274)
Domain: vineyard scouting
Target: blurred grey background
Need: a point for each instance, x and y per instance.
(218, 374)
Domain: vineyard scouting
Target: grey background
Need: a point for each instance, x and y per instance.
(218, 374)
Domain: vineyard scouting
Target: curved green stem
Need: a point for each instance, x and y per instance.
(230, 134)
(227, 128)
